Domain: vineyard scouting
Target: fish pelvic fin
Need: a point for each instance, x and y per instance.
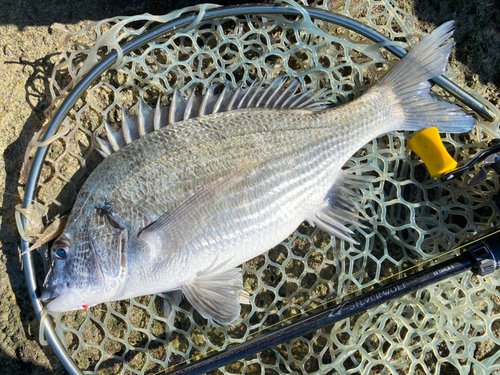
(215, 293)
(260, 95)
(407, 84)
(171, 298)
(338, 210)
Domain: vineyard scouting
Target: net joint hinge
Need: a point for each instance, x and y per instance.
(485, 260)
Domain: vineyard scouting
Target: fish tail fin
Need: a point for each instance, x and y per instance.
(408, 83)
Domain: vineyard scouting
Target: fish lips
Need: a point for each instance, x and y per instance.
(53, 297)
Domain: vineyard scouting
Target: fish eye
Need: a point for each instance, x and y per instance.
(61, 252)
(61, 247)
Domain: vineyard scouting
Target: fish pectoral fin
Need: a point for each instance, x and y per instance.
(162, 236)
(215, 294)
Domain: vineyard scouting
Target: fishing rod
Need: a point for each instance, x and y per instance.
(481, 256)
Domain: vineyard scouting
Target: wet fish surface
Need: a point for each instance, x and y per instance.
(188, 192)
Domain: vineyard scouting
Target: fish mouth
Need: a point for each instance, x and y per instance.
(52, 293)
(54, 299)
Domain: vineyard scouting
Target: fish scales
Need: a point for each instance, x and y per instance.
(287, 167)
(180, 207)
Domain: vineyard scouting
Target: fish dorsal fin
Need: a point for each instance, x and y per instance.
(214, 293)
(339, 210)
(258, 95)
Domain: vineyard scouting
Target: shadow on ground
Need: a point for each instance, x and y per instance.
(38, 98)
(47, 12)
(19, 367)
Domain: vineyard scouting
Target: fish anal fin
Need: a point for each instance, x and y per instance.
(174, 298)
(333, 221)
(339, 210)
(214, 293)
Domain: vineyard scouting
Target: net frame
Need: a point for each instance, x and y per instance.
(389, 197)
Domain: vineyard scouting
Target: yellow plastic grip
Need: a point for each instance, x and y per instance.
(428, 145)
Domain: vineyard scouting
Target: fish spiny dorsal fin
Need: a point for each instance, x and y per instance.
(127, 125)
(257, 90)
(286, 94)
(231, 104)
(244, 99)
(157, 115)
(177, 107)
(204, 102)
(257, 95)
(220, 99)
(146, 113)
(270, 92)
(142, 118)
(189, 106)
(115, 138)
(105, 148)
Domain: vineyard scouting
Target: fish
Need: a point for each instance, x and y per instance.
(190, 191)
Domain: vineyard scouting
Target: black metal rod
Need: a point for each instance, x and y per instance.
(338, 312)
(481, 257)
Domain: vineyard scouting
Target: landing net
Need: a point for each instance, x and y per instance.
(453, 326)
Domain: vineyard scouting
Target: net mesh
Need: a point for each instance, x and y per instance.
(451, 326)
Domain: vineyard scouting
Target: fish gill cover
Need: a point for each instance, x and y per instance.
(411, 216)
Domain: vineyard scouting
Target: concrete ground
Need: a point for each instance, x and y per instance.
(28, 45)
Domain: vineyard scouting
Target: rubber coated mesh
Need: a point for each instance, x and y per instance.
(452, 326)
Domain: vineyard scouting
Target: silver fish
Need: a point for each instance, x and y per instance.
(188, 192)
